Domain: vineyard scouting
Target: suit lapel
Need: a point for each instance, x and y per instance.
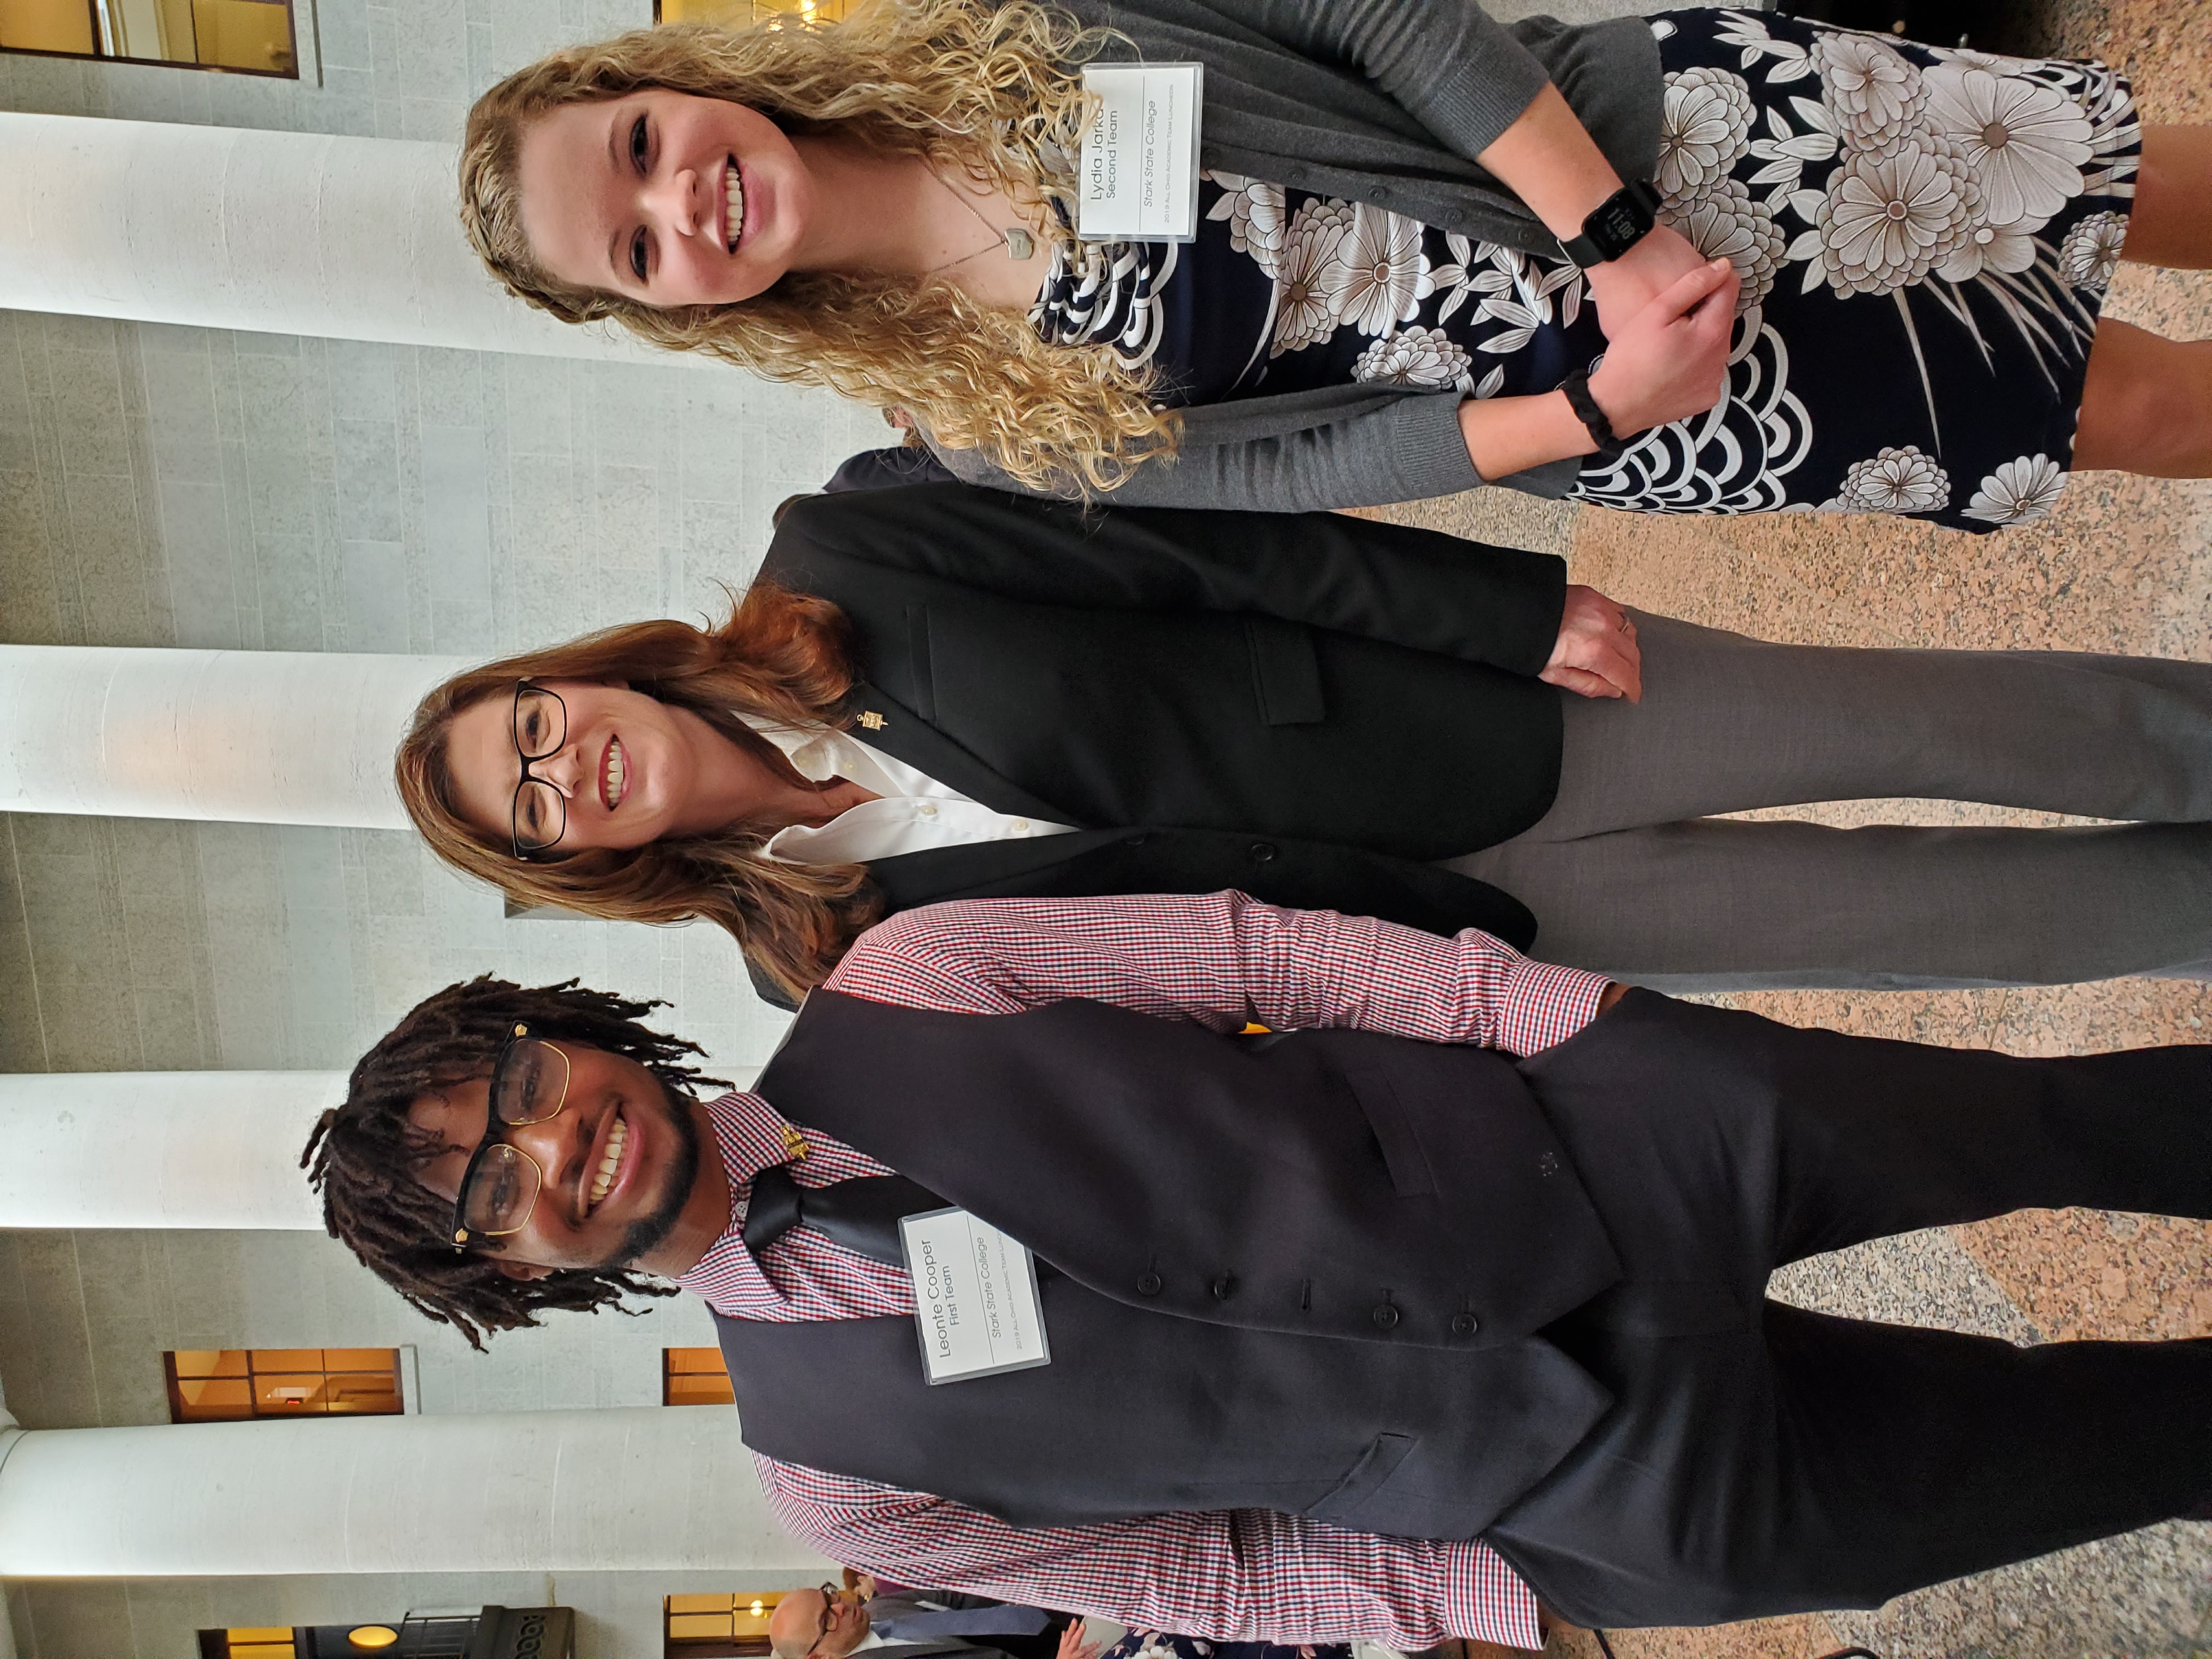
(948, 873)
(883, 722)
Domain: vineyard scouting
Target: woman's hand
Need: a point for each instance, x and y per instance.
(1669, 361)
(1597, 653)
(1073, 1644)
(1621, 288)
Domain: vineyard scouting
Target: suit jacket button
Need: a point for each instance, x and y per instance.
(1262, 851)
(1465, 1324)
(1381, 192)
(1149, 1284)
(1134, 841)
(1223, 1286)
(1385, 1317)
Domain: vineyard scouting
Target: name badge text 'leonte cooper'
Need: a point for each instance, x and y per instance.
(1137, 173)
(975, 1297)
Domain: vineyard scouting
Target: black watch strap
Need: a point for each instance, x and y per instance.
(1610, 448)
(1616, 225)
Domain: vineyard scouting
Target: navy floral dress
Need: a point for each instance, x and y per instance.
(1924, 239)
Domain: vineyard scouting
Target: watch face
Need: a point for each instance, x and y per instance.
(1618, 228)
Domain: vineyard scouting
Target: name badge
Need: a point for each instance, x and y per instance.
(1137, 173)
(975, 1297)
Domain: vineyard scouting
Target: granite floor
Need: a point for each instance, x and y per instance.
(2125, 564)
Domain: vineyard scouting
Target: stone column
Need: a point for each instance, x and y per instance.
(167, 1148)
(283, 232)
(161, 1149)
(627, 1489)
(244, 737)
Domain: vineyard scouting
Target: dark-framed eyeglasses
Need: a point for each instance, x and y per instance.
(539, 725)
(499, 1187)
(829, 1593)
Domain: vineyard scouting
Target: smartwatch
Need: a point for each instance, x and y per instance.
(1616, 225)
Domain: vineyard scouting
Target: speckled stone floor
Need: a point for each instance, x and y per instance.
(2124, 564)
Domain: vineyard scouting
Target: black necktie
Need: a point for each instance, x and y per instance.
(862, 1214)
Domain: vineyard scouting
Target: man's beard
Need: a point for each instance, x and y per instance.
(648, 1233)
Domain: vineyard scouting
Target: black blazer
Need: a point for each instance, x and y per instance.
(1310, 708)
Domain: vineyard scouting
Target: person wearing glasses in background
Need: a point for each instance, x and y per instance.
(830, 1622)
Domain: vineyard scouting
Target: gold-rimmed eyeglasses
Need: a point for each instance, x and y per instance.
(499, 1187)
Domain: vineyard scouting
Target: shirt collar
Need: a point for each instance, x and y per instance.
(751, 1135)
(817, 753)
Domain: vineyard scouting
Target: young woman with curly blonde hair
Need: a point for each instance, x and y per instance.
(1908, 251)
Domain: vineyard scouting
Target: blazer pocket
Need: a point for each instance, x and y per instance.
(1410, 1172)
(917, 652)
(1286, 671)
(1342, 1505)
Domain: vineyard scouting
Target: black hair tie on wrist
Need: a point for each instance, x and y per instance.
(1610, 448)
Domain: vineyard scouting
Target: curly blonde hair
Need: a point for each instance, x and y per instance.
(959, 83)
(781, 655)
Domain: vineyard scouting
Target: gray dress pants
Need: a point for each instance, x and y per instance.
(1630, 875)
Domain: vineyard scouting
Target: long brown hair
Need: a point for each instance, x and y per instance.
(984, 88)
(783, 655)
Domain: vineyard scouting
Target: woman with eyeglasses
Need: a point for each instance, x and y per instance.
(940, 692)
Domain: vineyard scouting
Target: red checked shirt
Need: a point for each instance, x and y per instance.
(1221, 961)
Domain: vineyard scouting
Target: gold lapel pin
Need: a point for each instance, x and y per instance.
(871, 720)
(794, 1144)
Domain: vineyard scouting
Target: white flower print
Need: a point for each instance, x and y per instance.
(2091, 251)
(1903, 480)
(1886, 221)
(1257, 219)
(1306, 302)
(2019, 492)
(1874, 91)
(1107, 294)
(2110, 112)
(1785, 150)
(1704, 127)
(2007, 248)
(1995, 63)
(1382, 273)
(2025, 141)
(1487, 272)
(1793, 62)
(1728, 221)
(1479, 270)
(1424, 357)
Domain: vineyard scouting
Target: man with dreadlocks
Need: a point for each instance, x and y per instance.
(1445, 1292)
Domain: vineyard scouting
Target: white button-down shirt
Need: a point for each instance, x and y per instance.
(914, 812)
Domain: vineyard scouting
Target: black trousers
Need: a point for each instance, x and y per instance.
(1762, 1460)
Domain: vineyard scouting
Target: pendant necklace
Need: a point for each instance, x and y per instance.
(1015, 238)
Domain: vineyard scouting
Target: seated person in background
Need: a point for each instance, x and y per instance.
(942, 692)
(1365, 1328)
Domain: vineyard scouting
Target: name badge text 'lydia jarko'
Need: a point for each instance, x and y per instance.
(975, 1297)
(1137, 173)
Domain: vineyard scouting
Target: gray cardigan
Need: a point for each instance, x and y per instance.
(1387, 102)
